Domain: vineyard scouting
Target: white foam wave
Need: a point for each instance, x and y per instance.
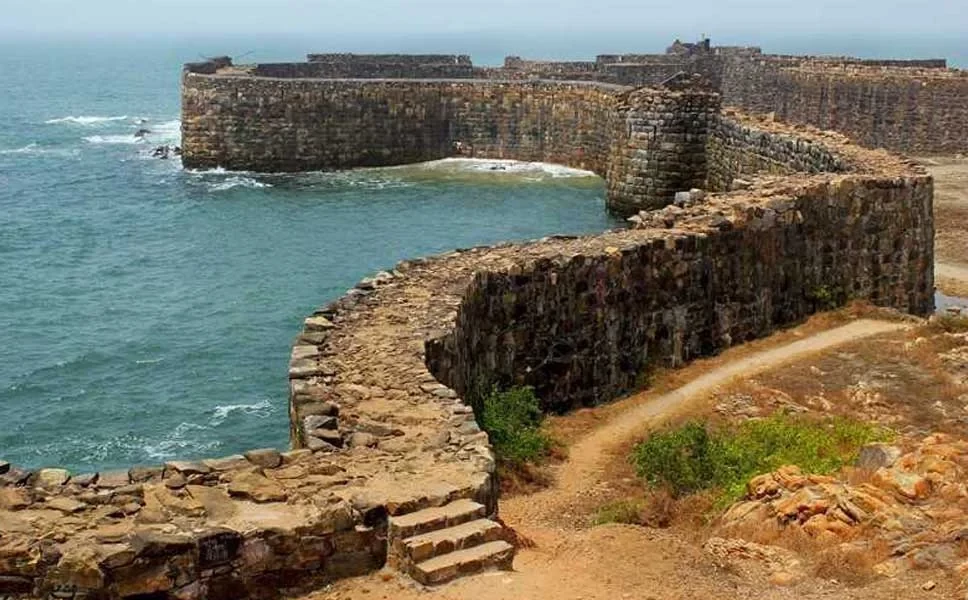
(168, 132)
(238, 181)
(128, 138)
(500, 166)
(37, 150)
(85, 120)
(259, 409)
(181, 441)
(152, 361)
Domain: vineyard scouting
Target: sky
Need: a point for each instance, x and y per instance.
(345, 18)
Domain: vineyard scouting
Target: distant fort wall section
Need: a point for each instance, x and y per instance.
(646, 144)
(917, 108)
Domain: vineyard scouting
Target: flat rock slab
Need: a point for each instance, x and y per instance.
(464, 562)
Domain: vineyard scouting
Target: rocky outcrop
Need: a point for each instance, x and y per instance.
(909, 498)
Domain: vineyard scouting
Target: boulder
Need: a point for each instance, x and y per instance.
(187, 468)
(14, 499)
(267, 458)
(52, 478)
(85, 480)
(363, 440)
(228, 463)
(113, 480)
(907, 486)
(877, 456)
(144, 474)
(66, 505)
(256, 487)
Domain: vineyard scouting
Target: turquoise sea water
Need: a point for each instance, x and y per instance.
(147, 312)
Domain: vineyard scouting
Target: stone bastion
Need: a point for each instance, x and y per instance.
(384, 442)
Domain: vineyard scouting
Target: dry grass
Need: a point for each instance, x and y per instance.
(902, 374)
(524, 478)
(659, 509)
(847, 560)
(853, 565)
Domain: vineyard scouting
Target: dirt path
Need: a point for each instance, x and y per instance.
(618, 561)
(951, 278)
(951, 271)
(589, 456)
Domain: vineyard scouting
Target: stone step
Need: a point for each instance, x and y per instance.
(447, 567)
(466, 535)
(431, 519)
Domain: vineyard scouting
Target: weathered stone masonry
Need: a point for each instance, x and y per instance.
(646, 145)
(581, 325)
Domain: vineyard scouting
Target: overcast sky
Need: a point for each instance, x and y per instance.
(435, 17)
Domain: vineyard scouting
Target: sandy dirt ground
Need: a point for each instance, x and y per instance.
(951, 223)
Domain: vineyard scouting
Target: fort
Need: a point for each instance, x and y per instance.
(744, 219)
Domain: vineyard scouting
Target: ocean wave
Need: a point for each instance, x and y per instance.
(85, 120)
(168, 132)
(504, 167)
(152, 361)
(238, 181)
(181, 442)
(220, 180)
(37, 150)
(127, 138)
(222, 412)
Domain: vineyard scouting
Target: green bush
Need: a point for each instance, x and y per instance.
(693, 458)
(512, 418)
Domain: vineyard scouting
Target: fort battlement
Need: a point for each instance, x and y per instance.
(903, 105)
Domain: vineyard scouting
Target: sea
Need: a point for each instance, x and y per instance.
(146, 310)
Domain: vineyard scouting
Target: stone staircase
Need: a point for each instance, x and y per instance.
(439, 544)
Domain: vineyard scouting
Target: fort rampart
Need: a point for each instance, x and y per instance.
(792, 221)
(647, 146)
(379, 379)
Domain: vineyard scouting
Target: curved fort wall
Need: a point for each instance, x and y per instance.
(379, 378)
(647, 146)
(581, 325)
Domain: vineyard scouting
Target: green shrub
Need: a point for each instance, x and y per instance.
(693, 458)
(512, 419)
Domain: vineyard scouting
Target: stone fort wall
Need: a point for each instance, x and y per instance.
(380, 379)
(904, 105)
(912, 109)
(582, 324)
(646, 145)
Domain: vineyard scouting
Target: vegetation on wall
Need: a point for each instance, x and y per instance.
(512, 419)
